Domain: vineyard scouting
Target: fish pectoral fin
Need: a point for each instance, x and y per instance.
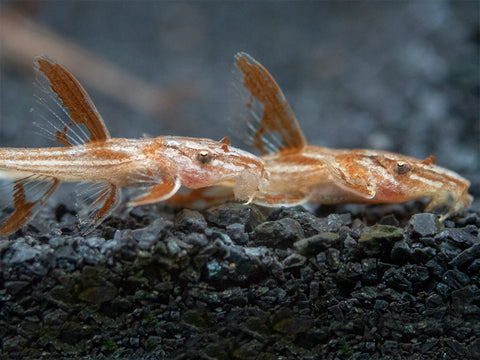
(96, 201)
(157, 192)
(29, 195)
(351, 177)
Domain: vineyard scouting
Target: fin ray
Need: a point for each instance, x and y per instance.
(29, 195)
(157, 192)
(97, 201)
(272, 124)
(60, 90)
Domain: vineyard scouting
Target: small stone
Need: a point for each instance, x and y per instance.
(190, 220)
(389, 220)
(56, 242)
(455, 279)
(474, 268)
(333, 258)
(134, 341)
(336, 221)
(378, 238)
(466, 295)
(474, 348)
(278, 234)
(231, 213)
(15, 287)
(401, 252)
(461, 237)
(434, 300)
(90, 256)
(390, 347)
(196, 239)
(237, 233)
(457, 347)
(410, 278)
(22, 253)
(466, 257)
(98, 294)
(294, 260)
(425, 224)
(317, 243)
(369, 271)
(150, 235)
(95, 242)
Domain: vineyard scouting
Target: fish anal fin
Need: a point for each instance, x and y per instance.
(157, 192)
(78, 109)
(29, 195)
(276, 128)
(352, 176)
(97, 201)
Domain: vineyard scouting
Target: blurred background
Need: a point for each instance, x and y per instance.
(398, 76)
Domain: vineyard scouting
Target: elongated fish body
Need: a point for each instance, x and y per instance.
(156, 167)
(300, 173)
(123, 161)
(318, 175)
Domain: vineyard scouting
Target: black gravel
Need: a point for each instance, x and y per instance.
(242, 282)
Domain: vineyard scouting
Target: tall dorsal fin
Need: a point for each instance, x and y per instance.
(275, 128)
(75, 111)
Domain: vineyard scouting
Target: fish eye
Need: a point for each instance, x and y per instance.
(402, 167)
(204, 156)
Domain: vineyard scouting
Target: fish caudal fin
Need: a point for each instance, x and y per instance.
(69, 115)
(271, 125)
(29, 194)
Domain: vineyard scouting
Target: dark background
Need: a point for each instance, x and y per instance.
(399, 76)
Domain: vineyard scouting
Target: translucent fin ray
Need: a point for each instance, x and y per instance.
(271, 125)
(97, 201)
(27, 196)
(70, 116)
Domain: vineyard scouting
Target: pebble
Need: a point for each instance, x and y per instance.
(455, 279)
(378, 239)
(425, 224)
(317, 243)
(190, 220)
(466, 257)
(278, 234)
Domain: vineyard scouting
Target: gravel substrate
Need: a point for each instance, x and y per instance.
(243, 282)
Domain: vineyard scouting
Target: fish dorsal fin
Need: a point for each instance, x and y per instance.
(274, 127)
(71, 117)
(429, 160)
(352, 176)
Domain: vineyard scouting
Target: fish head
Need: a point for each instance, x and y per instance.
(203, 162)
(400, 178)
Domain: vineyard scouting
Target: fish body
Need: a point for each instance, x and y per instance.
(333, 176)
(124, 162)
(155, 167)
(300, 173)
